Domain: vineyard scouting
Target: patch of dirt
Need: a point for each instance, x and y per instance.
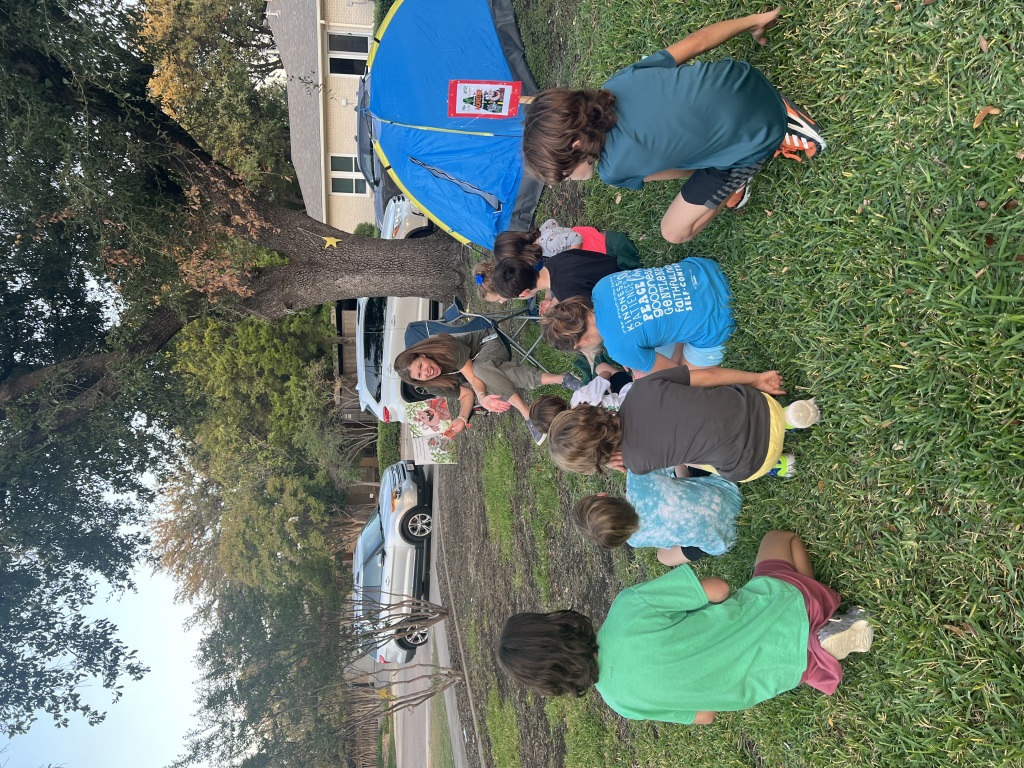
(485, 589)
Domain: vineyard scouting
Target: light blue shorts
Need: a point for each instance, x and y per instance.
(702, 357)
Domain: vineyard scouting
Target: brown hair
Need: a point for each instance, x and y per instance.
(551, 653)
(607, 521)
(544, 410)
(583, 439)
(440, 349)
(513, 275)
(482, 277)
(512, 243)
(558, 119)
(566, 322)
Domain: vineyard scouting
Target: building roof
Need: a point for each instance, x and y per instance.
(296, 28)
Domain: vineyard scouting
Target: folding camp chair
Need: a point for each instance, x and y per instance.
(456, 320)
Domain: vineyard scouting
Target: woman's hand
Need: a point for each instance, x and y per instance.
(458, 424)
(762, 23)
(770, 382)
(494, 403)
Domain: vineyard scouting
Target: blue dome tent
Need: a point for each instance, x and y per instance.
(466, 171)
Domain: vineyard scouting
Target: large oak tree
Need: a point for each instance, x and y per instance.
(85, 147)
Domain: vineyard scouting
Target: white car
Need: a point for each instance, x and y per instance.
(380, 337)
(403, 220)
(391, 558)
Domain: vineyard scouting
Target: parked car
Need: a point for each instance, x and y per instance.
(380, 337)
(383, 186)
(403, 220)
(390, 562)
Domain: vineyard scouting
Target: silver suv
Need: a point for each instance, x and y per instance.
(391, 557)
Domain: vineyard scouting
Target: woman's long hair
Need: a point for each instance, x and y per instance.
(440, 349)
(552, 653)
(566, 322)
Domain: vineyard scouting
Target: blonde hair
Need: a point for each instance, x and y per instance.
(566, 323)
(545, 409)
(607, 521)
(564, 129)
(583, 439)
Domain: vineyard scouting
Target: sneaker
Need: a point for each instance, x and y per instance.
(846, 634)
(801, 134)
(570, 382)
(801, 414)
(739, 198)
(786, 466)
(538, 436)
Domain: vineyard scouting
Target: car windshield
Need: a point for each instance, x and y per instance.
(370, 570)
(364, 133)
(373, 346)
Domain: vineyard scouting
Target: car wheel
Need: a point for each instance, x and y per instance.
(422, 232)
(416, 637)
(417, 525)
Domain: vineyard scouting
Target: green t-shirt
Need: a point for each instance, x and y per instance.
(719, 114)
(665, 653)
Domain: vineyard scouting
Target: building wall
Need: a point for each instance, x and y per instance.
(345, 17)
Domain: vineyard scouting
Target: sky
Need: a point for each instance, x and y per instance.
(146, 728)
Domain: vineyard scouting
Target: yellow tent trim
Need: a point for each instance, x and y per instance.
(380, 33)
(430, 214)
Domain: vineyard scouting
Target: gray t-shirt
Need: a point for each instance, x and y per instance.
(666, 422)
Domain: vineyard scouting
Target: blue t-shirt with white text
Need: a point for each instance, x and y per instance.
(639, 310)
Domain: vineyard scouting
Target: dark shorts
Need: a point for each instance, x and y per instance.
(823, 671)
(711, 187)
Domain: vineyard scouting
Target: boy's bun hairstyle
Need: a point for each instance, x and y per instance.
(514, 243)
(513, 275)
(583, 439)
(551, 653)
(608, 521)
(566, 322)
(556, 120)
(545, 409)
(482, 276)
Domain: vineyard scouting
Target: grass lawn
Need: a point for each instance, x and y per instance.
(885, 279)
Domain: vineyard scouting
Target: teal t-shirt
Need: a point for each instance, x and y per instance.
(665, 653)
(639, 310)
(717, 114)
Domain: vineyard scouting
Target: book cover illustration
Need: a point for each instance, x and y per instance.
(483, 98)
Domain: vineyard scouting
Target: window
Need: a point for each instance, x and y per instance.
(347, 54)
(346, 178)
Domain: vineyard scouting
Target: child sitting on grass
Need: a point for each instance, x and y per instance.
(685, 517)
(678, 649)
(650, 319)
(608, 389)
(713, 417)
(563, 262)
(716, 123)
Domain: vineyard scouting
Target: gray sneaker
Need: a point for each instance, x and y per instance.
(570, 382)
(846, 634)
(538, 436)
